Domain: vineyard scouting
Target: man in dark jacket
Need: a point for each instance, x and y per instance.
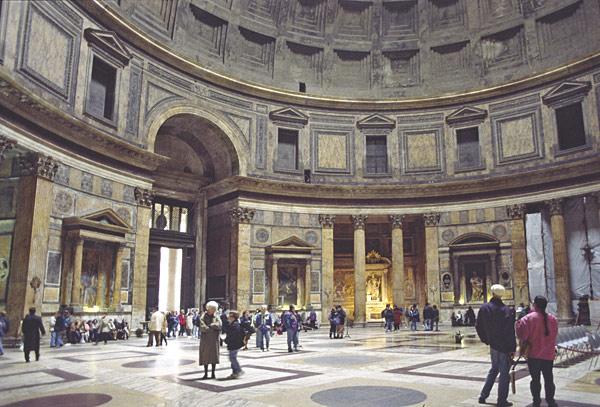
(234, 341)
(31, 328)
(428, 317)
(496, 328)
(388, 318)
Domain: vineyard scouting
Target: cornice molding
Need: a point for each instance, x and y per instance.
(43, 113)
(105, 14)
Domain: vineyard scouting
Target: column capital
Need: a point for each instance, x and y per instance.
(143, 197)
(39, 165)
(555, 206)
(359, 221)
(327, 221)
(396, 221)
(5, 145)
(241, 215)
(431, 219)
(516, 211)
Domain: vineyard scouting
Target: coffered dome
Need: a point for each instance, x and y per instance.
(375, 49)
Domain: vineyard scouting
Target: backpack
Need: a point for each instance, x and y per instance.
(2, 327)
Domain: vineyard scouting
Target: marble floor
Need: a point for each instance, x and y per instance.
(370, 368)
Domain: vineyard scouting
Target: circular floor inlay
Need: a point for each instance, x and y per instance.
(368, 396)
(65, 400)
(347, 360)
(598, 381)
(141, 364)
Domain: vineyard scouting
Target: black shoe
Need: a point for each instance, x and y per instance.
(212, 376)
(205, 377)
(290, 350)
(481, 400)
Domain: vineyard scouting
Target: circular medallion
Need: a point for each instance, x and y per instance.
(262, 235)
(447, 235)
(499, 231)
(311, 237)
(63, 202)
(124, 213)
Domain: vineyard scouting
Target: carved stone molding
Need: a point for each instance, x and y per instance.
(327, 221)
(241, 215)
(396, 221)
(5, 145)
(431, 219)
(359, 221)
(143, 197)
(515, 211)
(39, 165)
(555, 206)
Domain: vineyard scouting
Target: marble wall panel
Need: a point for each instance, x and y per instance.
(332, 151)
(422, 150)
(517, 136)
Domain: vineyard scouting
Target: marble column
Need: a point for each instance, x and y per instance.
(77, 265)
(432, 276)
(241, 218)
(116, 299)
(397, 280)
(30, 239)
(171, 279)
(307, 283)
(200, 251)
(360, 291)
(274, 285)
(144, 199)
(327, 260)
(516, 213)
(561, 260)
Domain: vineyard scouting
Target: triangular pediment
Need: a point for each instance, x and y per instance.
(376, 121)
(108, 42)
(293, 242)
(466, 114)
(289, 114)
(107, 217)
(566, 90)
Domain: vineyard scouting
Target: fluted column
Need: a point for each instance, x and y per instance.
(116, 299)
(240, 294)
(327, 270)
(360, 291)
(144, 199)
(307, 283)
(77, 265)
(397, 280)
(561, 260)
(274, 286)
(516, 213)
(432, 275)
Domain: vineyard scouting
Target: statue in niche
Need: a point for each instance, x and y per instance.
(89, 284)
(374, 288)
(476, 288)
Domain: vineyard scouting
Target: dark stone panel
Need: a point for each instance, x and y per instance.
(368, 396)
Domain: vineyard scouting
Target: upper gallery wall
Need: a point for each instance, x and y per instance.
(357, 49)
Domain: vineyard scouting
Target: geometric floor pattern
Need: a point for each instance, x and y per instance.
(368, 369)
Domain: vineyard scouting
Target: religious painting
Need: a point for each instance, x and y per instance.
(288, 285)
(374, 288)
(89, 278)
(97, 274)
(409, 283)
(343, 286)
(475, 281)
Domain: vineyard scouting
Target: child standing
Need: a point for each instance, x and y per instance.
(234, 341)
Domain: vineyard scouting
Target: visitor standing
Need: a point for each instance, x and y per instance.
(413, 317)
(538, 331)
(4, 327)
(428, 317)
(340, 322)
(470, 318)
(210, 329)
(31, 328)
(388, 318)
(181, 319)
(398, 314)
(103, 330)
(583, 311)
(292, 327)
(264, 324)
(154, 327)
(495, 327)
(235, 341)
(332, 323)
(436, 317)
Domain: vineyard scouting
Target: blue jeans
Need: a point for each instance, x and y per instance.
(1, 347)
(428, 324)
(413, 325)
(389, 325)
(261, 338)
(235, 365)
(53, 339)
(501, 365)
(292, 337)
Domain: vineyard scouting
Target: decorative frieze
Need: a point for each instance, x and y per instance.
(396, 221)
(431, 219)
(242, 215)
(555, 206)
(143, 197)
(359, 221)
(516, 211)
(5, 145)
(327, 221)
(38, 164)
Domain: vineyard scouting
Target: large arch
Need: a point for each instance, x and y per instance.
(233, 134)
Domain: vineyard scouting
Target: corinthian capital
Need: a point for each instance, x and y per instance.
(241, 215)
(39, 165)
(143, 197)
(327, 221)
(431, 219)
(396, 221)
(516, 211)
(5, 145)
(359, 221)
(555, 206)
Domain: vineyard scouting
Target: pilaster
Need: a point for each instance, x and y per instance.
(561, 260)
(431, 221)
(516, 213)
(327, 270)
(241, 235)
(144, 199)
(397, 279)
(360, 291)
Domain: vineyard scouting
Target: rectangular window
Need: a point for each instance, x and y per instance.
(170, 217)
(101, 92)
(467, 141)
(569, 124)
(377, 155)
(287, 149)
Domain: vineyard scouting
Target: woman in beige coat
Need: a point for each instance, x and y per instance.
(210, 329)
